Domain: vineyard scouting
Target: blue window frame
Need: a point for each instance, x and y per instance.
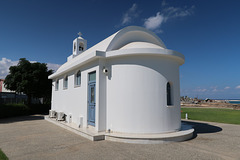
(92, 77)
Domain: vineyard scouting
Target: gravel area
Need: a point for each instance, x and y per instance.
(32, 137)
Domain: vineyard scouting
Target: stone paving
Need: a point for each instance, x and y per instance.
(33, 138)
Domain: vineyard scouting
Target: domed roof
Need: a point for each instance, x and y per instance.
(132, 37)
(140, 45)
(133, 34)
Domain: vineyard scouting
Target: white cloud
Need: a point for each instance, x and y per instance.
(215, 90)
(201, 90)
(6, 63)
(130, 14)
(177, 12)
(238, 87)
(227, 87)
(155, 22)
(4, 66)
(52, 66)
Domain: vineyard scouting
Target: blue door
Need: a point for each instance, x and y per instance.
(91, 98)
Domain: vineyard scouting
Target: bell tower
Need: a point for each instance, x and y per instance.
(79, 45)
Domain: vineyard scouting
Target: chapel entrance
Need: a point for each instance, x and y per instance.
(91, 98)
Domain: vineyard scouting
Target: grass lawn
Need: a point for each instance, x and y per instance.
(3, 156)
(212, 115)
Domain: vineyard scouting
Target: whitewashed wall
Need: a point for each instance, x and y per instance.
(73, 100)
(131, 98)
(136, 95)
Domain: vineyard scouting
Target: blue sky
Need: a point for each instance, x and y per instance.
(206, 32)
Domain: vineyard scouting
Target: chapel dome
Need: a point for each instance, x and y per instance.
(141, 45)
(131, 34)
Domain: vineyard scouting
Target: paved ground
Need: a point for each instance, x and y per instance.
(33, 138)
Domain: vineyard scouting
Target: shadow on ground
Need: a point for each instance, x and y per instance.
(202, 128)
(21, 118)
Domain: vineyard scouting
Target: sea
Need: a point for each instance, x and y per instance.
(234, 101)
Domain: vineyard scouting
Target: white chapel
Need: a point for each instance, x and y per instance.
(127, 83)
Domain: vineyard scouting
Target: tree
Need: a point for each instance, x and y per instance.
(30, 79)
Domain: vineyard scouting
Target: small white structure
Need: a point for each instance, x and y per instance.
(2, 88)
(127, 83)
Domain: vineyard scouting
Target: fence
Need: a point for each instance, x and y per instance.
(11, 97)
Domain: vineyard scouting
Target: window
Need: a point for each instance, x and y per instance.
(92, 77)
(74, 47)
(65, 83)
(81, 48)
(56, 84)
(169, 94)
(78, 78)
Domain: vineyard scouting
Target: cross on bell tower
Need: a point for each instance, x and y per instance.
(79, 34)
(79, 45)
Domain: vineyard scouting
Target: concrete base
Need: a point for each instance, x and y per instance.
(88, 133)
(185, 133)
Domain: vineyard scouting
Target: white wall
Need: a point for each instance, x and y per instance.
(73, 100)
(136, 95)
(131, 98)
(102, 97)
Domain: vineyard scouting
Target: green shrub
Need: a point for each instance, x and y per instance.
(11, 110)
(3, 156)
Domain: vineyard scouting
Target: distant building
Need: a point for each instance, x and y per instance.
(2, 88)
(8, 96)
(127, 83)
